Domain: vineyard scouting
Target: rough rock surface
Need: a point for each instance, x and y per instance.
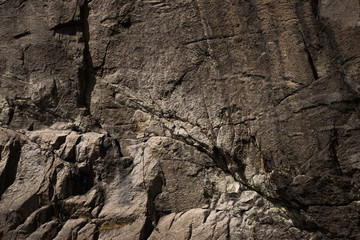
(179, 119)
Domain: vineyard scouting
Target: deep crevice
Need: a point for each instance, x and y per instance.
(87, 79)
(152, 216)
(315, 7)
(96, 235)
(9, 173)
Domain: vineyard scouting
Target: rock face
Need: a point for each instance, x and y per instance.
(179, 119)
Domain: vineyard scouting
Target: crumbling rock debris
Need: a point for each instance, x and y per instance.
(182, 119)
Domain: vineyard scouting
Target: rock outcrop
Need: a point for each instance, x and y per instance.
(179, 119)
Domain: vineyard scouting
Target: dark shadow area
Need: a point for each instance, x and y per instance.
(152, 216)
(87, 73)
(69, 28)
(9, 173)
(22, 35)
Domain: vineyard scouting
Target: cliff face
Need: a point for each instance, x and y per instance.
(179, 119)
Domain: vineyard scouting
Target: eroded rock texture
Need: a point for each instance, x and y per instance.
(179, 119)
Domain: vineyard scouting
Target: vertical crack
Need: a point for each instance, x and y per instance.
(315, 7)
(228, 230)
(310, 59)
(101, 67)
(87, 78)
(152, 216)
(333, 150)
(190, 232)
(118, 147)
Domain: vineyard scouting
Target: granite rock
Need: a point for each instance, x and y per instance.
(183, 119)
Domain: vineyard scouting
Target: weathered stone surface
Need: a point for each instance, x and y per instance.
(70, 229)
(46, 231)
(183, 119)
